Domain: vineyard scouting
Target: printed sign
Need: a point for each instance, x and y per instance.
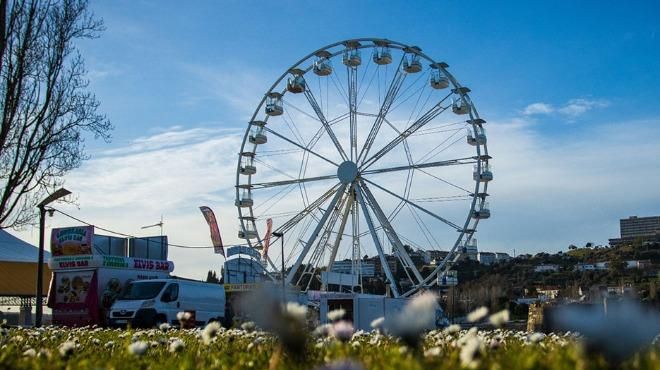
(239, 249)
(73, 262)
(70, 241)
(240, 287)
(72, 287)
(113, 262)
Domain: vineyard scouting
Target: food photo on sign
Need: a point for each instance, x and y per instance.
(70, 241)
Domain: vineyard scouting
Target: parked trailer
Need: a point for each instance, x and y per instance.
(362, 309)
(83, 288)
(90, 271)
(153, 302)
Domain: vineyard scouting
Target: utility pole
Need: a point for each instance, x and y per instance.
(281, 236)
(39, 310)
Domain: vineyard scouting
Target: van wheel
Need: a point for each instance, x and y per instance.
(160, 319)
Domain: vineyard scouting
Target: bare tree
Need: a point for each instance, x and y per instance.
(46, 109)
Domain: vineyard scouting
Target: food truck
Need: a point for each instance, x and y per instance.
(91, 270)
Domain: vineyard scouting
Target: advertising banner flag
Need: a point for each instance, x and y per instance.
(269, 230)
(213, 226)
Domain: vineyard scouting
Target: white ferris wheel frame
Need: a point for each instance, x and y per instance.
(355, 183)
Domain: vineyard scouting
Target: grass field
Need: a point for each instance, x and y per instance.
(216, 348)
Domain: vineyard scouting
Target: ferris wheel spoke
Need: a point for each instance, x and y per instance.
(315, 234)
(400, 251)
(299, 146)
(427, 117)
(352, 108)
(264, 185)
(388, 100)
(451, 162)
(374, 236)
(321, 117)
(436, 150)
(444, 220)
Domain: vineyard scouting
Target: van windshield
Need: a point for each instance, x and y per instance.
(141, 290)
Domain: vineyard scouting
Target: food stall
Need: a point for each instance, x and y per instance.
(90, 271)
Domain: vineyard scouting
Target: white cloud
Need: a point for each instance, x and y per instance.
(169, 138)
(571, 110)
(550, 192)
(547, 192)
(577, 107)
(538, 108)
(241, 89)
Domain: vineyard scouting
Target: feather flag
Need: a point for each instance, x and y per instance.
(215, 232)
(269, 230)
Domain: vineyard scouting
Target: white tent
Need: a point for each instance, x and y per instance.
(13, 249)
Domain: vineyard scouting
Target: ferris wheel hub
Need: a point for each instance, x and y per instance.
(347, 172)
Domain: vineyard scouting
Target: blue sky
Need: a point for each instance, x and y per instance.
(570, 90)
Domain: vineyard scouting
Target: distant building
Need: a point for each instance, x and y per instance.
(419, 258)
(637, 264)
(437, 255)
(487, 258)
(367, 268)
(546, 268)
(547, 293)
(591, 266)
(645, 228)
(448, 278)
(501, 257)
(392, 262)
(470, 250)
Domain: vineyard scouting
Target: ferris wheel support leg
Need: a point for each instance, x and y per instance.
(401, 252)
(357, 255)
(315, 234)
(340, 232)
(379, 247)
(293, 221)
(321, 246)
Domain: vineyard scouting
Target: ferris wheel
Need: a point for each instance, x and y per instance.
(365, 147)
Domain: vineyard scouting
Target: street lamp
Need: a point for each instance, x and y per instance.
(59, 193)
(281, 236)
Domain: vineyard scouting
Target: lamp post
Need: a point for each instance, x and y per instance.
(59, 193)
(281, 236)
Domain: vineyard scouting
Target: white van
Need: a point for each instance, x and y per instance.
(146, 303)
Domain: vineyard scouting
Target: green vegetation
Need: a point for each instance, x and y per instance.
(87, 348)
(499, 285)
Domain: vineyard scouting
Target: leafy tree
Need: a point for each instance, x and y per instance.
(616, 266)
(211, 277)
(45, 108)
